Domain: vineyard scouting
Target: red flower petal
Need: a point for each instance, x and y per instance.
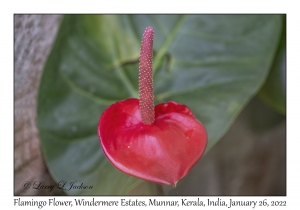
(162, 152)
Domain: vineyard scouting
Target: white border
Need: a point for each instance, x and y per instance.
(257, 6)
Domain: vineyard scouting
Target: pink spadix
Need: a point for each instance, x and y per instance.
(156, 143)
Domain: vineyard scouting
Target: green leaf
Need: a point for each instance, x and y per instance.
(274, 90)
(212, 63)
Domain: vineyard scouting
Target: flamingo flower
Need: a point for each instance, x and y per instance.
(156, 143)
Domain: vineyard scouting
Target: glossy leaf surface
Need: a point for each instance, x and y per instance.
(162, 152)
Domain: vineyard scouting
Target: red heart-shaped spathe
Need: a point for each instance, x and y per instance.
(162, 152)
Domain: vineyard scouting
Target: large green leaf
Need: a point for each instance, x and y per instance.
(212, 63)
(274, 90)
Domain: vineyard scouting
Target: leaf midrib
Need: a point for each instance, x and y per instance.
(133, 92)
(165, 46)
